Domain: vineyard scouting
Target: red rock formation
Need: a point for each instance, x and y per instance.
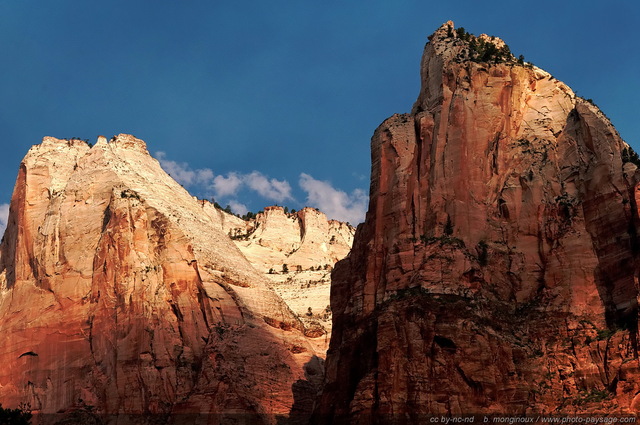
(119, 296)
(497, 268)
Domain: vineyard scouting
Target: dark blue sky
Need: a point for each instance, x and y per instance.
(290, 90)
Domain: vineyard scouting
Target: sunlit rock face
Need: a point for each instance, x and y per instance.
(301, 239)
(296, 251)
(497, 268)
(119, 295)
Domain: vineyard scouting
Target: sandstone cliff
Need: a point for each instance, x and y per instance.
(119, 296)
(296, 252)
(301, 240)
(497, 268)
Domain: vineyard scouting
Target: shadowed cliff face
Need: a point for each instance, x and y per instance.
(118, 295)
(497, 267)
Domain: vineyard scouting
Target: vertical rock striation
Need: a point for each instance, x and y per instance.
(119, 296)
(497, 268)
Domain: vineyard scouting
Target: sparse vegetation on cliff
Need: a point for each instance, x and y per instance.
(483, 253)
(250, 215)
(442, 240)
(83, 140)
(604, 334)
(19, 416)
(409, 292)
(629, 155)
(448, 227)
(593, 396)
(128, 193)
(483, 50)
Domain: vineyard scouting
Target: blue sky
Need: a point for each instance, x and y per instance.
(259, 102)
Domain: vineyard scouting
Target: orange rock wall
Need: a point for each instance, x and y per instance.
(496, 270)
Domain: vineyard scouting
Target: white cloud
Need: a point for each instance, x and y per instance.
(204, 175)
(226, 186)
(4, 217)
(333, 202)
(229, 185)
(182, 172)
(359, 176)
(238, 208)
(275, 190)
(272, 189)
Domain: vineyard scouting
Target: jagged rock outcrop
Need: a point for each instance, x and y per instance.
(119, 296)
(296, 252)
(497, 268)
(301, 240)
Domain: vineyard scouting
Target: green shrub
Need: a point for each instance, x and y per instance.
(462, 34)
(443, 240)
(483, 254)
(605, 334)
(593, 396)
(629, 155)
(448, 228)
(481, 50)
(127, 193)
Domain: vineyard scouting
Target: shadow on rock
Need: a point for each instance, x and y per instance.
(305, 393)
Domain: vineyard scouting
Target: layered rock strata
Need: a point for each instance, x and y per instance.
(118, 296)
(497, 268)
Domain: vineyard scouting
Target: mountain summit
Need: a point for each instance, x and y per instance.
(120, 295)
(496, 271)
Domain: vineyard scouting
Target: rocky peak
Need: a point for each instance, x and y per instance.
(444, 32)
(118, 295)
(455, 53)
(457, 44)
(495, 270)
(49, 142)
(123, 141)
(127, 141)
